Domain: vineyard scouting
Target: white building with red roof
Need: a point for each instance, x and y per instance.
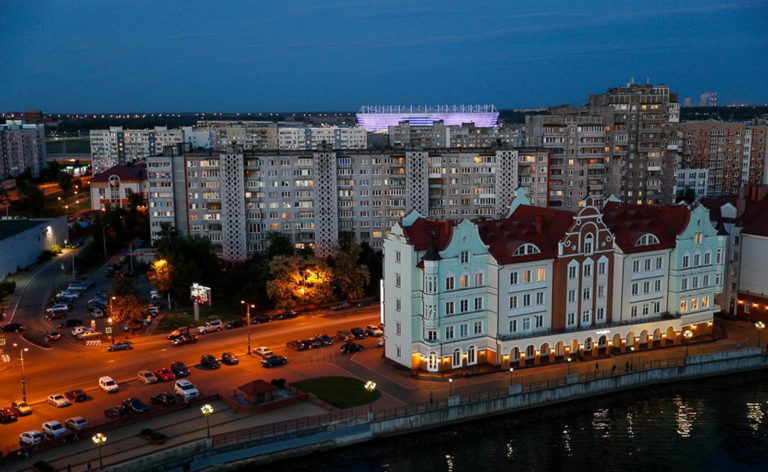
(114, 186)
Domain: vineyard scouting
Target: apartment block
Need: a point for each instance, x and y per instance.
(693, 179)
(440, 135)
(542, 285)
(622, 143)
(266, 135)
(22, 148)
(235, 197)
(118, 146)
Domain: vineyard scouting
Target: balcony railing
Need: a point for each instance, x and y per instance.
(576, 329)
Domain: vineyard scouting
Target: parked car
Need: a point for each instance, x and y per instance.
(155, 295)
(286, 315)
(359, 333)
(58, 400)
(153, 310)
(116, 412)
(97, 312)
(67, 296)
(261, 319)
(146, 377)
(163, 374)
(76, 395)
(135, 406)
(344, 336)
(163, 399)
(31, 438)
(181, 340)
(13, 328)
(340, 306)
(8, 415)
(314, 343)
(51, 335)
(80, 285)
(298, 345)
(60, 306)
(78, 330)
(263, 351)
(49, 316)
(210, 326)
(186, 389)
(54, 429)
(234, 324)
(350, 347)
(229, 359)
(77, 423)
(21, 408)
(89, 334)
(325, 339)
(179, 369)
(380, 342)
(209, 362)
(273, 361)
(121, 346)
(374, 331)
(70, 323)
(108, 384)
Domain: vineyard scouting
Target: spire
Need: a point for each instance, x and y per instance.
(432, 253)
(720, 227)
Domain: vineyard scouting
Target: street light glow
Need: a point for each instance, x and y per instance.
(99, 439)
(206, 409)
(370, 386)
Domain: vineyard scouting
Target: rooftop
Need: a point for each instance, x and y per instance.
(10, 228)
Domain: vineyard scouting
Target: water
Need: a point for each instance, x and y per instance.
(716, 424)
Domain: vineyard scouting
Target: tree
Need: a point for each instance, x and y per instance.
(278, 245)
(128, 309)
(190, 258)
(123, 286)
(350, 276)
(65, 181)
(374, 261)
(297, 282)
(160, 275)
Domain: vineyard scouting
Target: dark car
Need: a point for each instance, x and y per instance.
(135, 406)
(7, 415)
(229, 358)
(121, 346)
(51, 336)
(273, 361)
(286, 315)
(314, 343)
(180, 369)
(209, 362)
(234, 324)
(325, 339)
(260, 319)
(116, 412)
(163, 399)
(350, 347)
(76, 395)
(56, 314)
(70, 323)
(344, 336)
(13, 328)
(184, 339)
(298, 345)
(359, 333)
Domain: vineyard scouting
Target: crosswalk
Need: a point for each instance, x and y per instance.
(93, 342)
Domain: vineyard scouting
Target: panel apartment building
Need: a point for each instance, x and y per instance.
(266, 135)
(118, 146)
(235, 197)
(22, 148)
(439, 135)
(621, 143)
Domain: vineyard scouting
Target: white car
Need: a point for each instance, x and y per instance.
(213, 325)
(54, 429)
(77, 330)
(186, 389)
(58, 400)
(155, 295)
(30, 438)
(147, 377)
(58, 307)
(108, 384)
(263, 351)
(374, 331)
(90, 334)
(77, 423)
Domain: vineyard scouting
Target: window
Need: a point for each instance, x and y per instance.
(572, 272)
(587, 293)
(397, 257)
(586, 317)
(645, 309)
(479, 279)
(478, 303)
(695, 283)
(696, 259)
(527, 277)
(464, 257)
(588, 243)
(694, 304)
(540, 275)
(686, 258)
(471, 357)
(705, 301)
(571, 319)
(449, 308)
(539, 298)
(718, 279)
(449, 332)
(647, 239)
(719, 256)
(527, 299)
(431, 335)
(464, 281)
(600, 314)
(636, 266)
(707, 257)
(526, 249)
(397, 280)
(634, 289)
(538, 321)
(463, 330)
(698, 238)
(656, 308)
(449, 283)
(684, 284)
(399, 351)
(526, 324)
(397, 304)
(432, 362)
(646, 287)
(683, 306)
(601, 268)
(513, 278)
(587, 270)
(601, 291)
(430, 282)
(456, 358)
(478, 327)
(705, 281)
(464, 306)
(513, 301)
(512, 326)
(659, 263)
(571, 296)
(398, 328)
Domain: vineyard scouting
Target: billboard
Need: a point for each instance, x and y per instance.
(200, 294)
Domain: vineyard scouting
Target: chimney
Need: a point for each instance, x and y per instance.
(538, 223)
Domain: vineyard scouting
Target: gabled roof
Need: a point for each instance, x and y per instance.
(628, 222)
(542, 227)
(755, 218)
(715, 204)
(256, 387)
(128, 173)
(424, 230)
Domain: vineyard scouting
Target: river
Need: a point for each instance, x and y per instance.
(716, 424)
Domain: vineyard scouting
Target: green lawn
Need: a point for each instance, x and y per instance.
(341, 392)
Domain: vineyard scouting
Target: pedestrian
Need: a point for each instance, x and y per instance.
(613, 369)
(431, 400)
(627, 366)
(88, 467)
(597, 366)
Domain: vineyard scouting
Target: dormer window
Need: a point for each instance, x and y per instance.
(647, 240)
(526, 249)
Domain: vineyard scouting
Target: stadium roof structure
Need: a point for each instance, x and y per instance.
(380, 117)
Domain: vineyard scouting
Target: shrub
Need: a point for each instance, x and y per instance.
(46, 255)
(279, 383)
(54, 248)
(7, 287)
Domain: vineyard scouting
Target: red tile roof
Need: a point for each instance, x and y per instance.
(424, 229)
(127, 173)
(256, 387)
(628, 222)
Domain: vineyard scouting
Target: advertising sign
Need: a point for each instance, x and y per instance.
(200, 294)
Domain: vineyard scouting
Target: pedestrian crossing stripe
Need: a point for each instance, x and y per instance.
(95, 342)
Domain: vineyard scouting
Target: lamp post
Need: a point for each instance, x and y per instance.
(687, 334)
(511, 369)
(23, 374)
(110, 304)
(569, 365)
(632, 357)
(111, 329)
(207, 412)
(248, 307)
(370, 386)
(99, 439)
(760, 326)
(450, 387)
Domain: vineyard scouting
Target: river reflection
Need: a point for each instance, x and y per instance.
(708, 425)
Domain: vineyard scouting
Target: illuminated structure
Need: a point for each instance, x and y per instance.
(380, 118)
(22, 148)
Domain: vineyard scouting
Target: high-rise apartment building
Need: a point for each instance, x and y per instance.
(118, 146)
(22, 148)
(235, 197)
(734, 153)
(622, 143)
(266, 135)
(440, 135)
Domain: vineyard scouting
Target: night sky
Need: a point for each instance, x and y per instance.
(315, 55)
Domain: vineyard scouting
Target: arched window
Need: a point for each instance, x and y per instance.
(456, 357)
(647, 239)
(589, 243)
(526, 249)
(432, 362)
(471, 355)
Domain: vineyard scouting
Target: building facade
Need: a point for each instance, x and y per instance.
(380, 118)
(313, 197)
(696, 180)
(114, 187)
(22, 241)
(266, 135)
(540, 285)
(118, 146)
(22, 148)
(440, 135)
(622, 143)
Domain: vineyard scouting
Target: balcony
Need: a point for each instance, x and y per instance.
(591, 328)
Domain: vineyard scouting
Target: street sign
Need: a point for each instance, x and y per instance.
(108, 330)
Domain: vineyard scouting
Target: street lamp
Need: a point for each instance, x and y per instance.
(450, 387)
(569, 365)
(632, 357)
(760, 326)
(370, 386)
(111, 330)
(248, 307)
(687, 334)
(23, 375)
(110, 304)
(99, 439)
(511, 369)
(207, 412)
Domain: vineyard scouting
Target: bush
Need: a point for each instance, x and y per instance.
(54, 248)
(279, 383)
(7, 287)
(46, 255)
